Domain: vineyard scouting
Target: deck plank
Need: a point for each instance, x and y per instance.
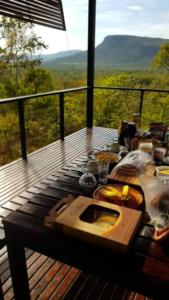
(19, 175)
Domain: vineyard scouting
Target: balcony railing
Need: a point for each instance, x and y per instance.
(61, 93)
(21, 115)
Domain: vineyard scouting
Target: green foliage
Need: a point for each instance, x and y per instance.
(111, 106)
(18, 44)
(161, 59)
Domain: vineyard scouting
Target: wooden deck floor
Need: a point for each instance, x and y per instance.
(51, 279)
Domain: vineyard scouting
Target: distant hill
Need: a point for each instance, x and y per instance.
(116, 51)
(48, 57)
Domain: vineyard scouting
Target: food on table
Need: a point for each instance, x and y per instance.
(106, 222)
(125, 192)
(110, 191)
(146, 146)
(128, 170)
(103, 155)
(119, 194)
(134, 164)
(165, 172)
(162, 171)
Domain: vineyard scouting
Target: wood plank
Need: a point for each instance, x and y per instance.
(51, 157)
(10, 205)
(44, 201)
(70, 277)
(54, 283)
(46, 275)
(102, 136)
(34, 210)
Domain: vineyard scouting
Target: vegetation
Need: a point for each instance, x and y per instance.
(21, 73)
(161, 59)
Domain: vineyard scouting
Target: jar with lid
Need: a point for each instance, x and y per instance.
(122, 133)
(129, 135)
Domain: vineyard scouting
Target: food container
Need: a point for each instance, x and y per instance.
(162, 173)
(89, 167)
(159, 153)
(119, 194)
(105, 155)
(112, 157)
(157, 130)
(146, 147)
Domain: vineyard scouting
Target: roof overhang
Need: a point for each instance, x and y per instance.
(47, 13)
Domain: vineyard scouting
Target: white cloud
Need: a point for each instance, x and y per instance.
(134, 7)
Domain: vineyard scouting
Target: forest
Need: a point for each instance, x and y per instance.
(22, 74)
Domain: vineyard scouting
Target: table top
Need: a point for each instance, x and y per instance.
(145, 268)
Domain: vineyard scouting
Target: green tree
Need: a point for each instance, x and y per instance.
(161, 59)
(18, 45)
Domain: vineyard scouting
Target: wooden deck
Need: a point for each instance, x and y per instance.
(51, 279)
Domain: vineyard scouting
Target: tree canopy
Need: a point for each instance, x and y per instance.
(18, 45)
(161, 59)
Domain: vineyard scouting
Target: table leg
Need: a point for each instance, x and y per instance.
(17, 262)
(1, 292)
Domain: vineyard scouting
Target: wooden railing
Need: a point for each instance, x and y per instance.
(61, 93)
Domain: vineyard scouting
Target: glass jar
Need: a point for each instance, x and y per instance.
(88, 182)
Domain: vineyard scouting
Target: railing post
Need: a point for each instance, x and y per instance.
(22, 128)
(141, 103)
(90, 60)
(62, 121)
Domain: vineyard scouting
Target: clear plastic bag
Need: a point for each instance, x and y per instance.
(157, 204)
(134, 163)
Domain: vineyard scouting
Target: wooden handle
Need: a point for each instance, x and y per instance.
(49, 220)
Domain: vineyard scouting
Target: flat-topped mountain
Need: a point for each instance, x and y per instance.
(116, 51)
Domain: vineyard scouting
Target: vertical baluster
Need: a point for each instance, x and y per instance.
(22, 128)
(141, 103)
(62, 121)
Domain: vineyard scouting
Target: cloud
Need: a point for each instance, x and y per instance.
(134, 7)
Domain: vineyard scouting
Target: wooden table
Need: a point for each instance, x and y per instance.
(144, 269)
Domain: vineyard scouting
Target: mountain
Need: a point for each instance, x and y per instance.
(47, 57)
(116, 51)
(61, 54)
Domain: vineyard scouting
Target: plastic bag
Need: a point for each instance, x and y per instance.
(157, 204)
(134, 163)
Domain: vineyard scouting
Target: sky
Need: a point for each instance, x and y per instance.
(132, 17)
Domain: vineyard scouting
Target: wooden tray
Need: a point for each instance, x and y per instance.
(78, 218)
(129, 179)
